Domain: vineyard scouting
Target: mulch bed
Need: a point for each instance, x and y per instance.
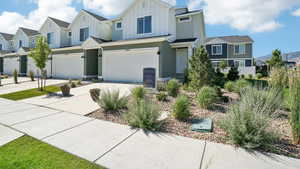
(171, 125)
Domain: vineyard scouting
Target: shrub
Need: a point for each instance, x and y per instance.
(240, 84)
(15, 74)
(143, 114)
(250, 76)
(65, 89)
(138, 93)
(278, 78)
(95, 94)
(248, 120)
(229, 86)
(79, 83)
(181, 108)
(295, 105)
(161, 86)
(31, 75)
(242, 77)
(259, 75)
(219, 78)
(206, 97)
(73, 85)
(112, 101)
(173, 87)
(162, 96)
(233, 74)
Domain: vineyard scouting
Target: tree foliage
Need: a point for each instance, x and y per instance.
(223, 65)
(201, 72)
(276, 60)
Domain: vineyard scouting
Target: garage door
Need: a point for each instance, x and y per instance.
(128, 65)
(10, 64)
(68, 66)
(31, 67)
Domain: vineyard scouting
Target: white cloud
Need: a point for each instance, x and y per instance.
(251, 15)
(112, 7)
(296, 13)
(60, 9)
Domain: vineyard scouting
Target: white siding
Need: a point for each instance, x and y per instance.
(64, 38)
(5, 44)
(10, 64)
(163, 19)
(31, 67)
(50, 27)
(96, 28)
(20, 35)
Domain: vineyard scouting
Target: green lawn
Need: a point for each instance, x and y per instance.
(30, 93)
(28, 153)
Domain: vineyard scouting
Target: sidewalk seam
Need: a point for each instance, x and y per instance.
(36, 118)
(203, 154)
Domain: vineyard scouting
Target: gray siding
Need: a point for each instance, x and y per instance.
(193, 29)
(116, 34)
(91, 63)
(249, 53)
(224, 53)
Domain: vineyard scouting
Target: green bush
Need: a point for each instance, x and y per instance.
(79, 83)
(242, 77)
(250, 76)
(229, 86)
(233, 74)
(138, 93)
(162, 96)
(95, 95)
(143, 114)
(31, 75)
(112, 101)
(278, 78)
(15, 74)
(259, 75)
(206, 97)
(248, 121)
(295, 105)
(240, 84)
(219, 78)
(73, 85)
(161, 86)
(181, 108)
(173, 87)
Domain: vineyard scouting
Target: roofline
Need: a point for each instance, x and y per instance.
(87, 12)
(188, 14)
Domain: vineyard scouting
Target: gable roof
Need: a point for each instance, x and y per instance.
(29, 32)
(60, 23)
(229, 39)
(100, 18)
(7, 36)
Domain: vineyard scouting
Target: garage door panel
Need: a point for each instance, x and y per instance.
(31, 66)
(10, 64)
(128, 66)
(68, 66)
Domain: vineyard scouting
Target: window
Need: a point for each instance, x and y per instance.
(144, 25)
(118, 25)
(50, 38)
(248, 63)
(1, 47)
(239, 49)
(239, 63)
(70, 34)
(185, 19)
(84, 34)
(216, 50)
(20, 43)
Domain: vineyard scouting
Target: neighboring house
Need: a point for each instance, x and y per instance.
(237, 51)
(25, 38)
(56, 32)
(87, 24)
(6, 42)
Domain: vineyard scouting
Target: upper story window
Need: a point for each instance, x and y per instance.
(185, 19)
(1, 47)
(239, 49)
(84, 34)
(144, 25)
(50, 38)
(70, 34)
(216, 50)
(118, 25)
(20, 43)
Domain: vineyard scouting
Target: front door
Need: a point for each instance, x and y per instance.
(1, 65)
(181, 60)
(23, 65)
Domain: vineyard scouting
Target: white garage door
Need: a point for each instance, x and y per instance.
(31, 67)
(10, 64)
(68, 66)
(128, 66)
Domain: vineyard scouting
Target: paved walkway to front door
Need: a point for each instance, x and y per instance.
(118, 146)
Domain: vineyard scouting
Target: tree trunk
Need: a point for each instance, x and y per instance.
(38, 77)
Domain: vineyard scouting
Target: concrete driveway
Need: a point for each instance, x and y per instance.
(80, 101)
(24, 84)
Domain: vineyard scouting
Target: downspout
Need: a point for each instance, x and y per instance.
(100, 55)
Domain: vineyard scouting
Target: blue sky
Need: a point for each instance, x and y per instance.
(271, 23)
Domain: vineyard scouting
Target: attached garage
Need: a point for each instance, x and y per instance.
(31, 67)
(128, 65)
(68, 65)
(1, 65)
(10, 64)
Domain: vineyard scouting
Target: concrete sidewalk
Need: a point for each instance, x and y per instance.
(118, 146)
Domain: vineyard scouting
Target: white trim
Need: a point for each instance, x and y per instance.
(144, 26)
(189, 14)
(239, 44)
(185, 21)
(212, 51)
(116, 26)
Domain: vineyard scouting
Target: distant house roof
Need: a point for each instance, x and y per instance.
(100, 18)
(7, 36)
(229, 39)
(60, 23)
(29, 32)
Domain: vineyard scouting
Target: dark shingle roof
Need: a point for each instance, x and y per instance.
(60, 23)
(29, 32)
(231, 39)
(100, 18)
(185, 40)
(7, 36)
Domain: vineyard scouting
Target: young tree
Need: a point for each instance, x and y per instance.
(201, 72)
(223, 65)
(40, 56)
(276, 60)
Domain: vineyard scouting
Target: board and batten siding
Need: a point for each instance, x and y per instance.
(6, 45)
(97, 28)
(117, 34)
(20, 35)
(51, 27)
(163, 19)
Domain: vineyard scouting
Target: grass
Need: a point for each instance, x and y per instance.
(26, 152)
(30, 93)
